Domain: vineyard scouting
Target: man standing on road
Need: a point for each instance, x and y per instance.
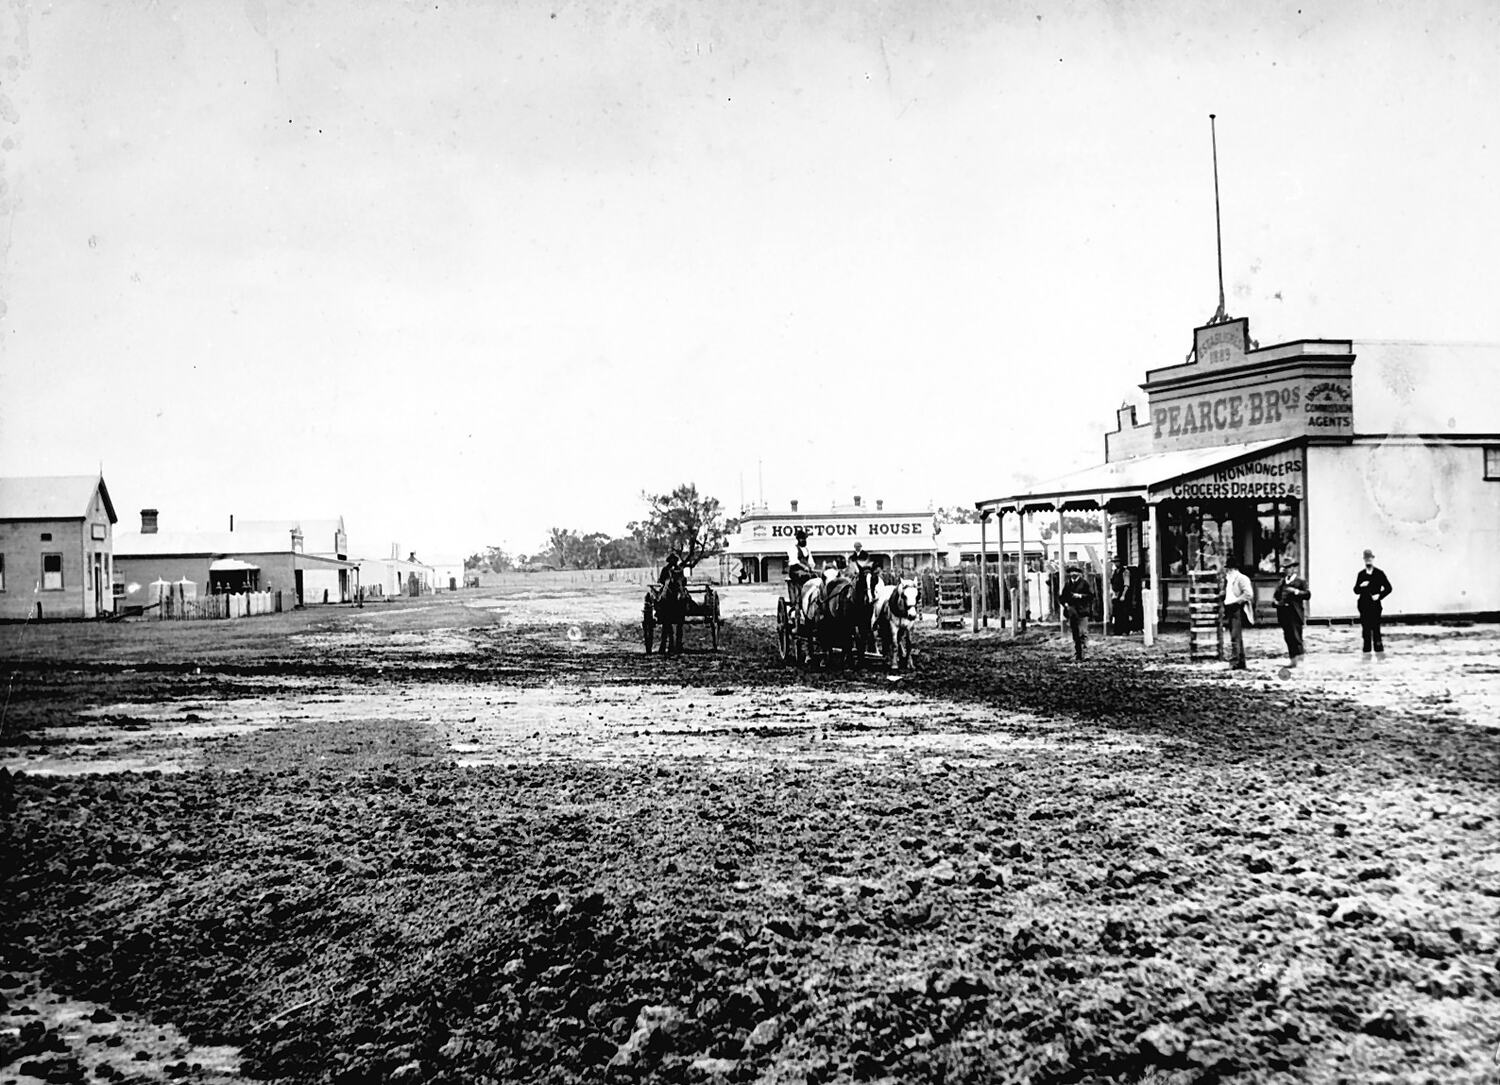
(1291, 610)
(1371, 587)
(1239, 609)
(1077, 600)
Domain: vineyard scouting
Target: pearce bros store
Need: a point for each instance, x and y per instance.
(1306, 452)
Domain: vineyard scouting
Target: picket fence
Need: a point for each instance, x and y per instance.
(174, 606)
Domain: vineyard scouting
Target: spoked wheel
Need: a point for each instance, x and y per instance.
(783, 631)
(648, 627)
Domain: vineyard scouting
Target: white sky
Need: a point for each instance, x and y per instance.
(461, 272)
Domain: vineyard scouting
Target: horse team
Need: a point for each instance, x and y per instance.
(853, 613)
(847, 614)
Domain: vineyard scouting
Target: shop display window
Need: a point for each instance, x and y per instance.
(1203, 537)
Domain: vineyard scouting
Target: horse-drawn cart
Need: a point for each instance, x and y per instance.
(677, 605)
(794, 640)
(853, 622)
(834, 632)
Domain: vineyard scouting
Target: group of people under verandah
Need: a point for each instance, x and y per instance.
(1371, 586)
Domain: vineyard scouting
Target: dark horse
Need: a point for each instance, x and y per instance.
(828, 608)
(667, 606)
(862, 604)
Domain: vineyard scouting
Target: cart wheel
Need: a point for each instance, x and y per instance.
(783, 632)
(647, 627)
(713, 628)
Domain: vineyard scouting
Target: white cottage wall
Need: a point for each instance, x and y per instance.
(1426, 511)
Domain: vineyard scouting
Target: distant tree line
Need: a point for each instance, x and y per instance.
(683, 522)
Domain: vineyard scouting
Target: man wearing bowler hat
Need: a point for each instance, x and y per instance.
(1371, 586)
(1291, 609)
(1077, 599)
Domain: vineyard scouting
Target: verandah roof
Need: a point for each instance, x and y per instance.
(1136, 477)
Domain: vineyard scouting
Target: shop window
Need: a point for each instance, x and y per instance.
(1215, 541)
(1198, 538)
(1267, 552)
(1492, 463)
(52, 578)
(1174, 547)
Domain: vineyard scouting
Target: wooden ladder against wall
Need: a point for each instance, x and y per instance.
(1205, 610)
(950, 597)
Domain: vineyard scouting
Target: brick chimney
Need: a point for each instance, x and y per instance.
(794, 504)
(879, 504)
(148, 521)
(856, 500)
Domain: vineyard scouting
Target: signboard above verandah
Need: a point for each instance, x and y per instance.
(1274, 477)
(850, 529)
(1238, 396)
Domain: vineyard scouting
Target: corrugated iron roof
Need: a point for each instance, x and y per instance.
(1136, 475)
(52, 497)
(134, 544)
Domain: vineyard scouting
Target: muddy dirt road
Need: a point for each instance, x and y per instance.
(485, 838)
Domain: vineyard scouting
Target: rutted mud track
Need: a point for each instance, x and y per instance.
(448, 844)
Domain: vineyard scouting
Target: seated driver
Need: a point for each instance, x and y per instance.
(799, 561)
(668, 569)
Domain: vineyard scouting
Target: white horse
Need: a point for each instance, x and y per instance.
(895, 610)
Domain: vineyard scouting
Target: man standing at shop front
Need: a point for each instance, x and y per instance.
(1119, 582)
(1371, 587)
(1291, 610)
(1239, 610)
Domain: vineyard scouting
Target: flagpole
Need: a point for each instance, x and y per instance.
(1221, 316)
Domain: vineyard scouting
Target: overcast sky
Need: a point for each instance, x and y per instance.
(461, 272)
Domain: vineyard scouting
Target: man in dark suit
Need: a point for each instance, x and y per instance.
(1371, 586)
(1291, 610)
(1119, 606)
(1077, 599)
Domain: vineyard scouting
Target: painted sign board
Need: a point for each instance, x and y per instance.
(1276, 477)
(871, 529)
(1233, 395)
(775, 536)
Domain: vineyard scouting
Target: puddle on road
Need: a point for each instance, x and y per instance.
(406, 645)
(500, 726)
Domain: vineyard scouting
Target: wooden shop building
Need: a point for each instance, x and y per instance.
(1308, 451)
